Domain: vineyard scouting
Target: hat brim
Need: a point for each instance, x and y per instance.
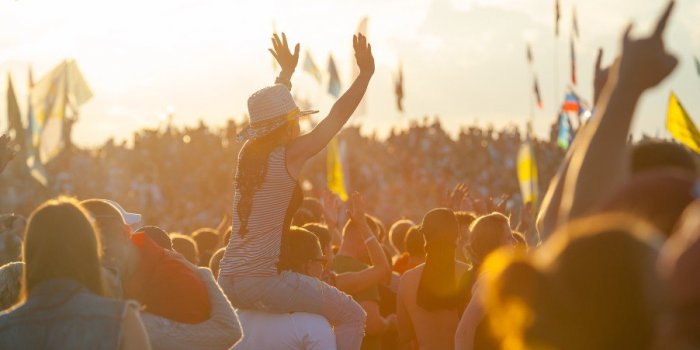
(249, 133)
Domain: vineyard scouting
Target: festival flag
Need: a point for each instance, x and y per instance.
(14, 117)
(572, 103)
(57, 94)
(398, 89)
(538, 96)
(557, 16)
(564, 134)
(527, 173)
(681, 126)
(334, 82)
(335, 178)
(36, 169)
(310, 67)
(573, 61)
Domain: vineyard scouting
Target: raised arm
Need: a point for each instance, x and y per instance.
(306, 146)
(380, 272)
(601, 163)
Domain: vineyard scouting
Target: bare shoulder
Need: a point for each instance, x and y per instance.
(411, 277)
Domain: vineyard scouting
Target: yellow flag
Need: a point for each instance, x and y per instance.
(334, 170)
(527, 173)
(681, 127)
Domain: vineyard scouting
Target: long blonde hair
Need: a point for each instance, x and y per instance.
(61, 242)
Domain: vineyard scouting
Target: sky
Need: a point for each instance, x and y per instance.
(463, 60)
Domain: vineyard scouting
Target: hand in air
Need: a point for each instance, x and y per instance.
(645, 62)
(363, 54)
(356, 210)
(280, 51)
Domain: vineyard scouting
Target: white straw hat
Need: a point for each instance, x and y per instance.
(268, 109)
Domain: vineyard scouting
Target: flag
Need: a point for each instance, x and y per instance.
(538, 97)
(310, 67)
(335, 178)
(564, 134)
(14, 117)
(573, 61)
(334, 82)
(574, 24)
(572, 103)
(36, 169)
(557, 16)
(57, 94)
(681, 126)
(697, 65)
(398, 89)
(527, 173)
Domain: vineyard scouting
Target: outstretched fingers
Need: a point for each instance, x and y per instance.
(663, 21)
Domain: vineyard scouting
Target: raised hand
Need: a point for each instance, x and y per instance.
(280, 51)
(356, 210)
(6, 152)
(329, 203)
(363, 54)
(600, 77)
(645, 62)
(457, 196)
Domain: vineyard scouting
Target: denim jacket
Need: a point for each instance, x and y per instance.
(62, 314)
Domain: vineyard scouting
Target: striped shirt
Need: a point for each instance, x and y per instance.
(257, 252)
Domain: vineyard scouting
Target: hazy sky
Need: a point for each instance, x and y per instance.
(464, 60)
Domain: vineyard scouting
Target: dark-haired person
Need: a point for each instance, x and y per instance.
(63, 305)
(207, 240)
(431, 296)
(301, 253)
(268, 194)
(397, 234)
(158, 236)
(488, 233)
(359, 245)
(186, 246)
(415, 251)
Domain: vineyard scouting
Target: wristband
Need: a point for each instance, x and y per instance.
(369, 239)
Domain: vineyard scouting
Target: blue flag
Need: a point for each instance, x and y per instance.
(334, 82)
(564, 135)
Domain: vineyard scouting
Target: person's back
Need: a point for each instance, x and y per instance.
(62, 314)
(297, 330)
(434, 329)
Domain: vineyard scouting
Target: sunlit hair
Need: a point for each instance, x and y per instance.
(486, 235)
(414, 242)
(252, 169)
(215, 261)
(186, 246)
(397, 234)
(321, 231)
(591, 286)
(438, 287)
(299, 246)
(61, 242)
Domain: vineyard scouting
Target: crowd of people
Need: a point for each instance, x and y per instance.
(428, 252)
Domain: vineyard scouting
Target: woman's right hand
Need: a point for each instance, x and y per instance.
(363, 54)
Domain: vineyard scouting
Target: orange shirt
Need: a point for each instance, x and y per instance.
(164, 286)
